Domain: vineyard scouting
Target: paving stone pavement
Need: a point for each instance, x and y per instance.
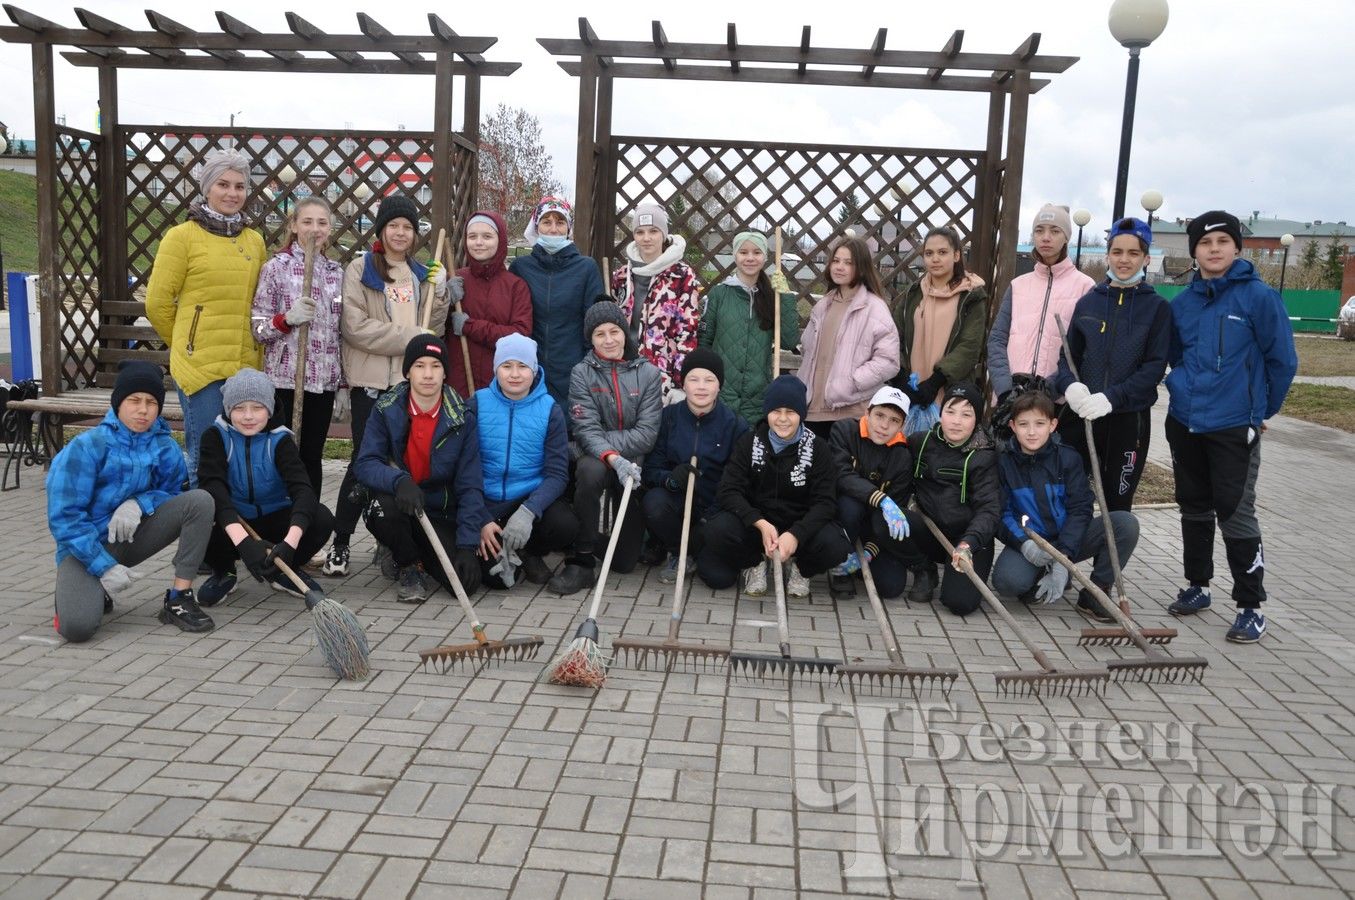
(153, 764)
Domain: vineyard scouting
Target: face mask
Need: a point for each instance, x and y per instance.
(1133, 280)
(553, 243)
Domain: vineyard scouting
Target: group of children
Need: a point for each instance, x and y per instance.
(565, 402)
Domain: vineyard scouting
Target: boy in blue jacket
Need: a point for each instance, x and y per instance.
(420, 456)
(1232, 360)
(524, 454)
(1043, 481)
(114, 500)
(705, 427)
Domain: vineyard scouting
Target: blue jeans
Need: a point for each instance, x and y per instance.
(1013, 573)
(200, 410)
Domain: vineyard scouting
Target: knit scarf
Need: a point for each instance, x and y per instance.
(933, 321)
(213, 221)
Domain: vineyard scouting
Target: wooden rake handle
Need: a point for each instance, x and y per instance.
(450, 571)
(285, 569)
(428, 288)
(886, 630)
(303, 339)
(782, 619)
(675, 623)
(611, 550)
(776, 314)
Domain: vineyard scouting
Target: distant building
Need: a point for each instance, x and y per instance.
(1260, 234)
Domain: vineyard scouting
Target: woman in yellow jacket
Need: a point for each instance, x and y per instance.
(200, 294)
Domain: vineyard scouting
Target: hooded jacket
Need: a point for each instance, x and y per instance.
(963, 347)
(563, 285)
(730, 327)
(615, 406)
(795, 490)
(1049, 486)
(1120, 338)
(499, 304)
(866, 353)
(373, 349)
(524, 446)
(682, 435)
(279, 288)
(867, 471)
(957, 486)
(1232, 351)
(250, 476)
(96, 472)
(670, 312)
(1025, 319)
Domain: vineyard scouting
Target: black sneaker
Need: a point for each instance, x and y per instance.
(924, 584)
(841, 587)
(336, 563)
(413, 586)
(281, 582)
(1028, 595)
(1091, 608)
(653, 553)
(385, 562)
(534, 569)
(573, 579)
(183, 613)
(216, 588)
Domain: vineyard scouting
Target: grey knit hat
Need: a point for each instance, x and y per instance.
(605, 310)
(245, 385)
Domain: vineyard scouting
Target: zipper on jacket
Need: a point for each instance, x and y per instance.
(616, 392)
(193, 330)
(1218, 364)
(249, 474)
(1039, 332)
(508, 454)
(1110, 343)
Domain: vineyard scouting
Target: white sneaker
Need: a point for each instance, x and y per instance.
(796, 584)
(755, 581)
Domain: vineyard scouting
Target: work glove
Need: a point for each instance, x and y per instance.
(962, 553)
(1095, 406)
(851, 565)
(677, 479)
(1052, 585)
(281, 551)
(925, 393)
(254, 554)
(780, 284)
(894, 519)
(437, 277)
(459, 320)
(456, 287)
(1076, 396)
(625, 470)
(506, 567)
(122, 527)
(518, 531)
(117, 579)
(467, 567)
(342, 404)
(1035, 554)
(408, 496)
(302, 311)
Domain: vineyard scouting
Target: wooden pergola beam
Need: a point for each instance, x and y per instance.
(588, 38)
(1024, 53)
(118, 59)
(828, 77)
(312, 33)
(877, 48)
(804, 50)
(377, 32)
(165, 25)
(732, 42)
(240, 30)
(661, 41)
(443, 32)
(950, 50)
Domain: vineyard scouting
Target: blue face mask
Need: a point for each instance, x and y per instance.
(553, 243)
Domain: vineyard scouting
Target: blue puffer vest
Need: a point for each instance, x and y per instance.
(512, 440)
(257, 488)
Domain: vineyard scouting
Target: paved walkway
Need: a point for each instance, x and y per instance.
(152, 764)
(1345, 381)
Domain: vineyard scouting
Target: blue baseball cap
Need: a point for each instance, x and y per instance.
(1136, 227)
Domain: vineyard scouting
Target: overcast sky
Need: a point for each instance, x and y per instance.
(1242, 104)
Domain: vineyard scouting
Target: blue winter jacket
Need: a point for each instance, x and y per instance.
(563, 285)
(524, 446)
(682, 435)
(1050, 486)
(1119, 338)
(455, 485)
(256, 486)
(1232, 352)
(96, 472)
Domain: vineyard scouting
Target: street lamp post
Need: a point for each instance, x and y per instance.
(362, 192)
(1286, 241)
(1135, 24)
(1152, 202)
(287, 175)
(1080, 219)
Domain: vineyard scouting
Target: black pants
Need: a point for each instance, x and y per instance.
(347, 511)
(729, 547)
(663, 518)
(221, 553)
(591, 478)
(890, 566)
(406, 539)
(958, 593)
(316, 412)
(553, 532)
(1121, 448)
(1216, 479)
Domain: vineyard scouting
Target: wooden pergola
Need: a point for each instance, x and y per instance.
(105, 197)
(798, 185)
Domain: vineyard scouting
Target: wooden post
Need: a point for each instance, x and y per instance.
(467, 204)
(986, 197)
(583, 166)
(112, 200)
(604, 168)
(442, 178)
(51, 305)
(1010, 231)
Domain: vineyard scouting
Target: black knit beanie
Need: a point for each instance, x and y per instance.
(424, 345)
(1214, 220)
(966, 391)
(137, 376)
(396, 206)
(786, 391)
(704, 358)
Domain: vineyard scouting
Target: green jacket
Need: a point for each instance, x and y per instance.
(964, 348)
(730, 328)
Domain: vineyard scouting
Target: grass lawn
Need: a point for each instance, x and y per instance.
(18, 221)
(1156, 486)
(1323, 404)
(1325, 356)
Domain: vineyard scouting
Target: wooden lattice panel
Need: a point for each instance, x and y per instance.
(727, 186)
(77, 253)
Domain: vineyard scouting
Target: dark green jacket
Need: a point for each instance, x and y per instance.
(730, 328)
(964, 349)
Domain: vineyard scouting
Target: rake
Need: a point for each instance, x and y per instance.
(483, 649)
(1050, 680)
(636, 651)
(1155, 667)
(894, 675)
(764, 665)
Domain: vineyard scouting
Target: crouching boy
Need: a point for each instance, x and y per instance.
(114, 499)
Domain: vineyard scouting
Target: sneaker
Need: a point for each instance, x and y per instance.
(108, 603)
(796, 584)
(841, 587)
(669, 574)
(336, 563)
(924, 584)
(755, 581)
(1028, 595)
(653, 554)
(383, 559)
(281, 582)
(413, 585)
(571, 580)
(1091, 608)
(1247, 627)
(534, 569)
(183, 612)
(1190, 600)
(216, 588)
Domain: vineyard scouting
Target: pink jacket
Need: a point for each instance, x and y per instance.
(1026, 317)
(867, 350)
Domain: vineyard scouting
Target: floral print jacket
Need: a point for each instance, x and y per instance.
(669, 316)
(279, 286)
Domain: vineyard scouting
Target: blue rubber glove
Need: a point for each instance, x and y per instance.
(895, 519)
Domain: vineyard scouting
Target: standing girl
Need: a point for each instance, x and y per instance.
(497, 303)
(659, 295)
(850, 345)
(279, 309)
(737, 318)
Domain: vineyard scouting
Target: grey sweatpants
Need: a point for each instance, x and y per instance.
(186, 518)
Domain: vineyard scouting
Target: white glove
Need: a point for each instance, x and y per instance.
(518, 531)
(1077, 395)
(302, 311)
(118, 579)
(457, 286)
(626, 471)
(1052, 585)
(122, 527)
(1035, 554)
(437, 276)
(342, 405)
(1095, 406)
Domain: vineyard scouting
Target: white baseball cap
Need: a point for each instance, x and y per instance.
(891, 396)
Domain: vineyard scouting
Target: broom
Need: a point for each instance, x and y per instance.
(582, 663)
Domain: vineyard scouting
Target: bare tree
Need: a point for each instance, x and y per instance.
(515, 168)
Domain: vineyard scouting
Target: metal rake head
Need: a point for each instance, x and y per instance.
(1167, 670)
(771, 665)
(644, 653)
(450, 656)
(1071, 683)
(1115, 637)
(894, 680)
